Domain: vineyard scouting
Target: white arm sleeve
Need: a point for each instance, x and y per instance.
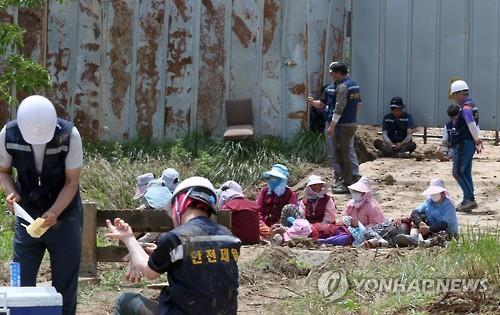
(473, 130)
(5, 157)
(74, 159)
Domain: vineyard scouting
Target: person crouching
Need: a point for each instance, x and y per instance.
(199, 256)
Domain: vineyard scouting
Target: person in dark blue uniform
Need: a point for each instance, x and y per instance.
(465, 141)
(199, 256)
(397, 132)
(47, 155)
(341, 101)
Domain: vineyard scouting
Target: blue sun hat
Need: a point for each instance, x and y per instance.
(278, 170)
(157, 195)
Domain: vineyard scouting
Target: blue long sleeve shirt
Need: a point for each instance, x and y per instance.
(442, 212)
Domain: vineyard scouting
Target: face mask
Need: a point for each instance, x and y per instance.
(357, 196)
(436, 197)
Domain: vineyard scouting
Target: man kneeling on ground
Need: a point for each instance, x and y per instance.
(199, 256)
(397, 132)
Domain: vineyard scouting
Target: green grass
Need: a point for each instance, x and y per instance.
(108, 176)
(476, 255)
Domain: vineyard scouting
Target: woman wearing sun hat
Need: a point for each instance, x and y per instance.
(362, 207)
(317, 206)
(437, 212)
(274, 197)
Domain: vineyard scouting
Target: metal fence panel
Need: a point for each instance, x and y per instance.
(86, 94)
(181, 74)
(415, 48)
(294, 47)
(365, 57)
(271, 105)
(245, 53)
(484, 61)
(117, 68)
(160, 68)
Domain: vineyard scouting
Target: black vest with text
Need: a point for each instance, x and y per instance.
(39, 191)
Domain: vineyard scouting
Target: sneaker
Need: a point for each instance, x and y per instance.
(356, 178)
(339, 190)
(467, 206)
(337, 181)
(403, 240)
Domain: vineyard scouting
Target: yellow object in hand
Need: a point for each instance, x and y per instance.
(35, 229)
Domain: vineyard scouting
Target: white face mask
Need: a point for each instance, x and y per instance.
(436, 197)
(357, 196)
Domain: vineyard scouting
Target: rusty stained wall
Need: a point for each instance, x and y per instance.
(180, 71)
(211, 74)
(271, 105)
(159, 68)
(245, 53)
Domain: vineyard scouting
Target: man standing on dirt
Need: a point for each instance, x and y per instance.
(342, 101)
(465, 140)
(199, 256)
(47, 155)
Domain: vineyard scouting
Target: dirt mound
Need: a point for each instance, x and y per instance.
(281, 261)
(455, 303)
(363, 142)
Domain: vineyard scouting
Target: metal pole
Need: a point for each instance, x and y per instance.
(497, 139)
(425, 135)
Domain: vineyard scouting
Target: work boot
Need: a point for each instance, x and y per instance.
(467, 206)
(339, 190)
(403, 240)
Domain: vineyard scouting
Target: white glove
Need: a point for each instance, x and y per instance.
(347, 220)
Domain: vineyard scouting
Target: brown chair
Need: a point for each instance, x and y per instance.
(239, 119)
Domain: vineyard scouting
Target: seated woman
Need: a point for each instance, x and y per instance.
(363, 207)
(436, 214)
(273, 198)
(244, 212)
(317, 206)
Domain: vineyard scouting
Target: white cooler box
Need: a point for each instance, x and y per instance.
(30, 301)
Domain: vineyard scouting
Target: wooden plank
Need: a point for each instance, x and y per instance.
(139, 220)
(111, 253)
(224, 218)
(88, 261)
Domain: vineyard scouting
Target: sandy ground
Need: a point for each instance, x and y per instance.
(398, 183)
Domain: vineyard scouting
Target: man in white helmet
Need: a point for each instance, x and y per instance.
(199, 256)
(465, 140)
(47, 155)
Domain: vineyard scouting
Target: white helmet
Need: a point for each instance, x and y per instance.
(199, 188)
(37, 119)
(458, 86)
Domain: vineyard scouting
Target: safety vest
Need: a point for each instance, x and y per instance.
(460, 131)
(205, 280)
(315, 214)
(353, 98)
(40, 191)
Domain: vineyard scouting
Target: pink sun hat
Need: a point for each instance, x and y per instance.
(300, 228)
(436, 186)
(364, 185)
(141, 185)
